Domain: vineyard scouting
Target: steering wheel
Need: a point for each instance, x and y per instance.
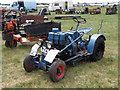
(76, 20)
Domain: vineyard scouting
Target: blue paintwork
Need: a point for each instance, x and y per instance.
(74, 47)
(92, 41)
(72, 43)
(29, 4)
(59, 38)
(41, 64)
(55, 30)
(85, 30)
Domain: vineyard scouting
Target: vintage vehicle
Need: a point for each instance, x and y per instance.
(64, 48)
(95, 11)
(29, 5)
(25, 28)
(112, 10)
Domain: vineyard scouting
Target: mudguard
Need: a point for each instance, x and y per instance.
(92, 41)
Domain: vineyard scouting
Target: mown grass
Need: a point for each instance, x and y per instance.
(100, 74)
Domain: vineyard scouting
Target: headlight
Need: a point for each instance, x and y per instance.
(49, 45)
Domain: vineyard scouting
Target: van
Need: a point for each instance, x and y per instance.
(63, 4)
(27, 4)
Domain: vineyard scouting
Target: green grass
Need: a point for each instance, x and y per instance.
(100, 74)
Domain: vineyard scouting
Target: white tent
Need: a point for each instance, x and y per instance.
(64, 4)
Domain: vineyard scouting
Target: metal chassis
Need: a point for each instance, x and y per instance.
(72, 60)
(90, 47)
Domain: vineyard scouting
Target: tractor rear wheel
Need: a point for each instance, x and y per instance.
(98, 51)
(57, 70)
(28, 64)
(11, 44)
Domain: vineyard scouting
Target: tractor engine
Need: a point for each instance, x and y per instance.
(61, 39)
(9, 26)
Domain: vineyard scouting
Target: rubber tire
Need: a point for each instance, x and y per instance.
(27, 64)
(98, 51)
(53, 70)
(7, 44)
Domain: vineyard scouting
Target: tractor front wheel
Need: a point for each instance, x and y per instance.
(28, 64)
(57, 70)
(11, 44)
(98, 51)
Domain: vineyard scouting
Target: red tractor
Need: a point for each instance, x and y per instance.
(25, 28)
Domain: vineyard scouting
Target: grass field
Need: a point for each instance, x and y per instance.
(100, 74)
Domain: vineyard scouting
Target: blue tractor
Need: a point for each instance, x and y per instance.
(63, 48)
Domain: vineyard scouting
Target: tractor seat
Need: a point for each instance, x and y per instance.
(84, 30)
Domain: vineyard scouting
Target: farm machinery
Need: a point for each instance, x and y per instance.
(91, 11)
(112, 10)
(95, 11)
(63, 48)
(85, 11)
(25, 28)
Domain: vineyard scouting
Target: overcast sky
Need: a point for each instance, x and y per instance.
(75, 1)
